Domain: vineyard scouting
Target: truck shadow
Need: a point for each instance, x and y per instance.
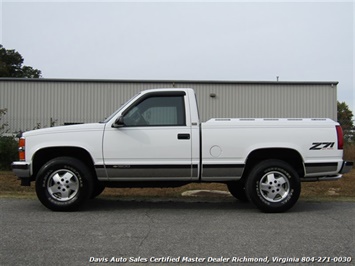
(217, 205)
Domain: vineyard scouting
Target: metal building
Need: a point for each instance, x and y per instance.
(34, 103)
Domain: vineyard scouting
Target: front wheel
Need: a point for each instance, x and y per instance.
(273, 186)
(64, 184)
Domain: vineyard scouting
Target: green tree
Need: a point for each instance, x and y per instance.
(8, 145)
(8, 152)
(11, 65)
(3, 125)
(345, 116)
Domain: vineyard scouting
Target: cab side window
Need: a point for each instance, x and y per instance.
(157, 111)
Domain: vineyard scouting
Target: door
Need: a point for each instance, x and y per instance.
(153, 141)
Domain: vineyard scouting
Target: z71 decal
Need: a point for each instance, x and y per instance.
(322, 146)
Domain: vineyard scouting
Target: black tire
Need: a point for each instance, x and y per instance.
(64, 184)
(273, 186)
(237, 189)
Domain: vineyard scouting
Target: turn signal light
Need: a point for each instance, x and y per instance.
(21, 149)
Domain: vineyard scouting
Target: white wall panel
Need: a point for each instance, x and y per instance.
(30, 102)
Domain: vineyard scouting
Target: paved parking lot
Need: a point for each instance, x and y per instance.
(165, 232)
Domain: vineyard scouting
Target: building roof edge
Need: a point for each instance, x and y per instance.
(170, 81)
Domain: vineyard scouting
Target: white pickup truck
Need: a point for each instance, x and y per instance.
(157, 140)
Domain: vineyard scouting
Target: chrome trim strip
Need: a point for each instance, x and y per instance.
(312, 168)
(222, 170)
(144, 179)
(321, 178)
(221, 179)
(143, 172)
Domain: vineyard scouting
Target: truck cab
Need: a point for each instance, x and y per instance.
(155, 137)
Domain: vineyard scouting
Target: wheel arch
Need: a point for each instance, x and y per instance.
(290, 156)
(44, 155)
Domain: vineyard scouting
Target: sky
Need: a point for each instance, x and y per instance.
(185, 40)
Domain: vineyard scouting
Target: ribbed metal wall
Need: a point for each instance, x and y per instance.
(266, 100)
(72, 101)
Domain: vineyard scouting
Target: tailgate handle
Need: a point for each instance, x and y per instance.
(183, 136)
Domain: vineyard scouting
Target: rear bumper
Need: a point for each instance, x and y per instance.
(345, 168)
(23, 171)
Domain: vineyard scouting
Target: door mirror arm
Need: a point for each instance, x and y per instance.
(119, 122)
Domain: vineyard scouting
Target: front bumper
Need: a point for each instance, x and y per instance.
(23, 171)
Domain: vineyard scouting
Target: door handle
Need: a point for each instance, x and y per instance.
(183, 136)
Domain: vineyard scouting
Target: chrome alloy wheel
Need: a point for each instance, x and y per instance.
(63, 185)
(274, 186)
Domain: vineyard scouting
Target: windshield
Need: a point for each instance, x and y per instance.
(119, 109)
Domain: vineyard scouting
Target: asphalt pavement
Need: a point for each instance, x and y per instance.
(172, 232)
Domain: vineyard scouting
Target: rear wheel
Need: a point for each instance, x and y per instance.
(273, 186)
(64, 184)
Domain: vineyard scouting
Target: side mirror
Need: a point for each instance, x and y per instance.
(119, 122)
